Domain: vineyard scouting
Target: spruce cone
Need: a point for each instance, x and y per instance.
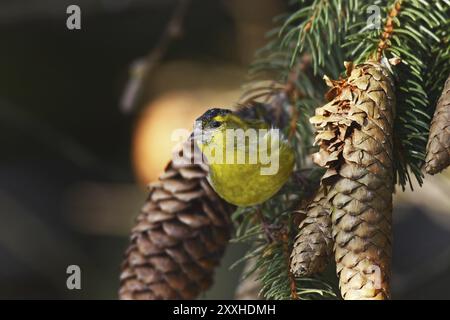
(179, 237)
(355, 139)
(314, 243)
(438, 148)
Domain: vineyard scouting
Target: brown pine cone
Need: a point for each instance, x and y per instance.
(355, 139)
(314, 243)
(438, 148)
(179, 237)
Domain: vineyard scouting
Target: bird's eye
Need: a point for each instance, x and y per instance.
(215, 124)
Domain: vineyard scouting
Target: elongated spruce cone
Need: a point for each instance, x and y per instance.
(314, 243)
(438, 148)
(179, 238)
(355, 139)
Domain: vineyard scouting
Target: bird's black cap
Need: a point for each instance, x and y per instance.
(211, 113)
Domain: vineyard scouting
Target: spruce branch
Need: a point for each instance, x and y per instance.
(388, 30)
(291, 90)
(249, 286)
(412, 33)
(270, 229)
(328, 32)
(317, 27)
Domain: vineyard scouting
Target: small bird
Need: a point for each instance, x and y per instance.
(248, 160)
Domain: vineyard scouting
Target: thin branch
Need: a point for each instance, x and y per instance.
(142, 69)
(388, 29)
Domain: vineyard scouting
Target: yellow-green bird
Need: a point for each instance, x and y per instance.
(248, 160)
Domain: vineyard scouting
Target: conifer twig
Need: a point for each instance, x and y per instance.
(141, 69)
(388, 29)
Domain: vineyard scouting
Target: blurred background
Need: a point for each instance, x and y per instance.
(85, 123)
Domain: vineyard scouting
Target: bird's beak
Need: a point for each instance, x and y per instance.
(200, 135)
(197, 133)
